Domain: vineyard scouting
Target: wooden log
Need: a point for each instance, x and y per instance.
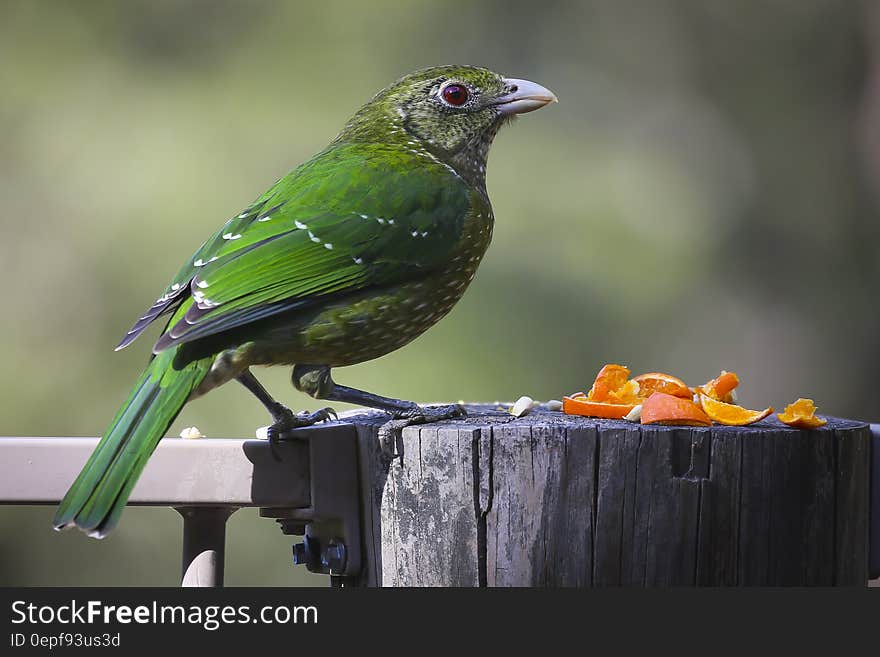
(558, 500)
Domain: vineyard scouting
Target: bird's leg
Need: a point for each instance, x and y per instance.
(284, 420)
(315, 380)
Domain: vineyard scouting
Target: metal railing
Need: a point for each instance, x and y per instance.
(308, 484)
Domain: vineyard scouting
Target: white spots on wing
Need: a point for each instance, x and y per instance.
(380, 220)
(362, 216)
(415, 233)
(203, 301)
(328, 246)
(202, 284)
(300, 225)
(391, 222)
(425, 234)
(199, 263)
(213, 258)
(358, 261)
(313, 237)
(175, 287)
(230, 236)
(266, 218)
(243, 215)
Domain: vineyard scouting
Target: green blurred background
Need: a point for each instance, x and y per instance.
(704, 196)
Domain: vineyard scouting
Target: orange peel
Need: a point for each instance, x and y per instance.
(720, 388)
(663, 408)
(610, 379)
(661, 382)
(586, 407)
(801, 415)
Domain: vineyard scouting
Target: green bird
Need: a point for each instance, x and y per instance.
(350, 256)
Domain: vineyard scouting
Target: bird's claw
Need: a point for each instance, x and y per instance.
(391, 433)
(285, 422)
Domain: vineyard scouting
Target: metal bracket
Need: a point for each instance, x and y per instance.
(331, 523)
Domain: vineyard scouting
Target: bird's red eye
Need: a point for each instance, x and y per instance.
(455, 94)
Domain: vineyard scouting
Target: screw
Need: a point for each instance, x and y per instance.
(334, 556)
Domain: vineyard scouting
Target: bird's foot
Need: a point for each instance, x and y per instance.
(391, 433)
(286, 421)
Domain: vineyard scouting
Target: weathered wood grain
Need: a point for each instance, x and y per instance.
(615, 506)
(852, 488)
(556, 500)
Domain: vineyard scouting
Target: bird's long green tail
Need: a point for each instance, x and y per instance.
(96, 499)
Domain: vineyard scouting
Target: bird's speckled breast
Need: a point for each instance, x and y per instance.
(374, 322)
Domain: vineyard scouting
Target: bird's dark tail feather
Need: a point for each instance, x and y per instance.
(96, 499)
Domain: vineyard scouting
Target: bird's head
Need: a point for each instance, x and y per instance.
(452, 111)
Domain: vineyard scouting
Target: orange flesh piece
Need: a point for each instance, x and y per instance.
(729, 414)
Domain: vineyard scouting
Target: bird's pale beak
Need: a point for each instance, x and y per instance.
(524, 96)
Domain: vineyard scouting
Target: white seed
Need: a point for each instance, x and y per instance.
(635, 415)
(522, 406)
(191, 433)
(262, 433)
(553, 405)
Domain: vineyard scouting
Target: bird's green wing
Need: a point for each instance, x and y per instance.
(355, 216)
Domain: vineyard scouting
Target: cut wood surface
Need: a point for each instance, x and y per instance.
(558, 500)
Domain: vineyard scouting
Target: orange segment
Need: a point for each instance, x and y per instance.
(660, 382)
(729, 414)
(610, 378)
(662, 408)
(583, 406)
(629, 393)
(801, 415)
(720, 387)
